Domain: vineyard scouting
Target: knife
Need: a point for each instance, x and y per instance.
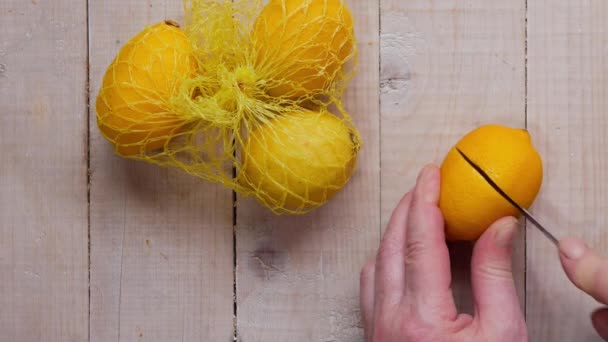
(509, 199)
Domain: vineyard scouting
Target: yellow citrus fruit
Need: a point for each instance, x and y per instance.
(302, 44)
(132, 105)
(299, 160)
(468, 203)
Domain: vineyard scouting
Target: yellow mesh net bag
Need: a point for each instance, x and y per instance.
(245, 94)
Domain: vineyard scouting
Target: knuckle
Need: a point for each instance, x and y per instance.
(403, 329)
(367, 270)
(600, 296)
(495, 329)
(388, 251)
(521, 334)
(405, 325)
(416, 334)
(495, 271)
(510, 332)
(600, 284)
(414, 249)
(416, 330)
(383, 329)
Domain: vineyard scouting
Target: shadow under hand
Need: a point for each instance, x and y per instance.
(460, 262)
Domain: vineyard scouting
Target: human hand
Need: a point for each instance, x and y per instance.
(406, 290)
(589, 272)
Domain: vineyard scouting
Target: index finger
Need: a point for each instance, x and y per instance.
(428, 274)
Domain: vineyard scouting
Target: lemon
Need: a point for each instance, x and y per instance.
(299, 160)
(468, 203)
(302, 44)
(132, 106)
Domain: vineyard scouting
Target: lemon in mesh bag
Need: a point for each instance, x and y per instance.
(247, 95)
(299, 159)
(132, 107)
(302, 44)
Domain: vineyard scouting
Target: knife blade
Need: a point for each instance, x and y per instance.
(521, 209)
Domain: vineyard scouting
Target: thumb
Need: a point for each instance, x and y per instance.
(494, 291)
(585, 268)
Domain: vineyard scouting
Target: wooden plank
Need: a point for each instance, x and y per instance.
(298, 277)
(567, 67)
(161, 241)
(43, 177)
(447, 67)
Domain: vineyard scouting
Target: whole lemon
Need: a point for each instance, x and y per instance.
(302, 44)
(299, 160)
(469, 204)
(133, 103)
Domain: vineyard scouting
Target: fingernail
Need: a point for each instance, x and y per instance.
(572, 249)
(506, 232)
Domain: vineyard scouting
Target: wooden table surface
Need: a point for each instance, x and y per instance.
(94, 247)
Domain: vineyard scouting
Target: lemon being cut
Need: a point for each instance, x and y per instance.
(133, 110)
(469, 204)
(301, 45)
(300, 160)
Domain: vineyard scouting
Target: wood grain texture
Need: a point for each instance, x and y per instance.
(161, 262)
(567, 105)
(447, 67)
(43, 172)
(161, 241)
(298, 277)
